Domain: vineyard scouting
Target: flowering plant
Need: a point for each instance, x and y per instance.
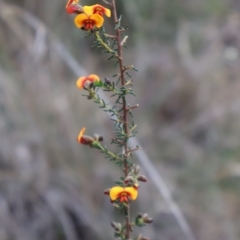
(91, 19)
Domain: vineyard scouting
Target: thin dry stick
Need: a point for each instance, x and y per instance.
(72, 63)
(125, 111)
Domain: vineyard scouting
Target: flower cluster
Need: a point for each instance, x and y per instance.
(88, 17)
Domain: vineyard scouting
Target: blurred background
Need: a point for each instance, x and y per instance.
(188, 84)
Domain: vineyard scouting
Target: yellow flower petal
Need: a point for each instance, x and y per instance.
(98, 9)
(88, 10)
(80, 82)
(132, 192)
(107, 12)
(115, 191)
(80, 19)
(93, 77)
(81, 133)
(98, 20)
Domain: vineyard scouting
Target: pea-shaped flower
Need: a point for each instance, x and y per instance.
(82, 81)
(88, 22)
(84, 139)
(72, 7)
(123, 194)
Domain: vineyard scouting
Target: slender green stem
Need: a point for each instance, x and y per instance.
(98, 37)
(107, 152)
(102, 104)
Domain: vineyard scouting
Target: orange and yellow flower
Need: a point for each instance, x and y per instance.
(97, 9)
(84, 139)
(82, 80)
(72, 6)
(123, 194)
(88, 22)
(80, 135)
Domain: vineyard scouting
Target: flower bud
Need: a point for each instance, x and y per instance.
(116, 226)
(128, 179)
(98, 138)
(108, 82)
(136, 169)
(74, 9)
(144, 215)
(142, 219)
(107, 191)
(142, 178)
(140, 237)
(146, 218)
(139, 220)
(86, 140)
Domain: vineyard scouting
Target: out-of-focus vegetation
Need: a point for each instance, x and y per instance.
(188, 86)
